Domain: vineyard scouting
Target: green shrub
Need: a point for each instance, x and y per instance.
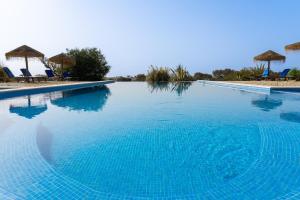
(122, 78)
(295, 74)
(251, 73)
(3, 76)
(245, 74)
(226, 74)
(140, 77)
(158, 74)
(202, 76)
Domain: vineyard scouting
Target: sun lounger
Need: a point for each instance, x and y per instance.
(284, 73)
(67, 76)
(26, 73)
(10, 75)
(50, 74)
(265, 74)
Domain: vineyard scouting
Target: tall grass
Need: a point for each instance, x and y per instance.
(165, 74)
(180, 74)
(158, 74)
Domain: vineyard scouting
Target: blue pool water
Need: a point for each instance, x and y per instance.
(140, 141)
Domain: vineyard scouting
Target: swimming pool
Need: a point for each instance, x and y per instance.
(141, 141)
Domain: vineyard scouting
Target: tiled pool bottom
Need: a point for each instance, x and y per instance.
(46, 183)
(172, 145)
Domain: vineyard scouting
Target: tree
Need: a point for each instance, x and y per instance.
(90, 64)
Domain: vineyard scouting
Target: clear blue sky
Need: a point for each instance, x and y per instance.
(133, 34)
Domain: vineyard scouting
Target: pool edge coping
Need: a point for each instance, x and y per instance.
(240, 86)
(255, 88)
(14, 92)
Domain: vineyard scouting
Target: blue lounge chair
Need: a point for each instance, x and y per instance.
(265, 74)
(26, 73)
(66, 76)
(10, 75)
(284, 73)
(50, 73)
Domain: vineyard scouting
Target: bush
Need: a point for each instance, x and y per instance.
(122, 78)
(226, 74)
(140, 77)
(202, 76)
(245, 74)
(3, 76)
(90, 64)
(295, 74)
(251, 73)
(180, 74)
(158, 74)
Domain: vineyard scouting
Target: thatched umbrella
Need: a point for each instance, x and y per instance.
(24, 52)
(269, 56)
(293, 47)
(62, 59)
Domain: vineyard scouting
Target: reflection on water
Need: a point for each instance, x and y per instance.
(178, 87)
(44, 140)
(87, 99)
(267, 103)
(28, 109)
(291, 116)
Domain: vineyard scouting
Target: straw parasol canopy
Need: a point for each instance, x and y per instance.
(62, 59)
(269, 56)
(293, 47)
(24, 52)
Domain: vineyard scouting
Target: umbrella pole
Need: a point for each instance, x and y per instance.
(62, 69)
(26, 63)
(269, 66)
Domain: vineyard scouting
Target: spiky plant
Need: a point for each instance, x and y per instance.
(158, 74)
(180, 74)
